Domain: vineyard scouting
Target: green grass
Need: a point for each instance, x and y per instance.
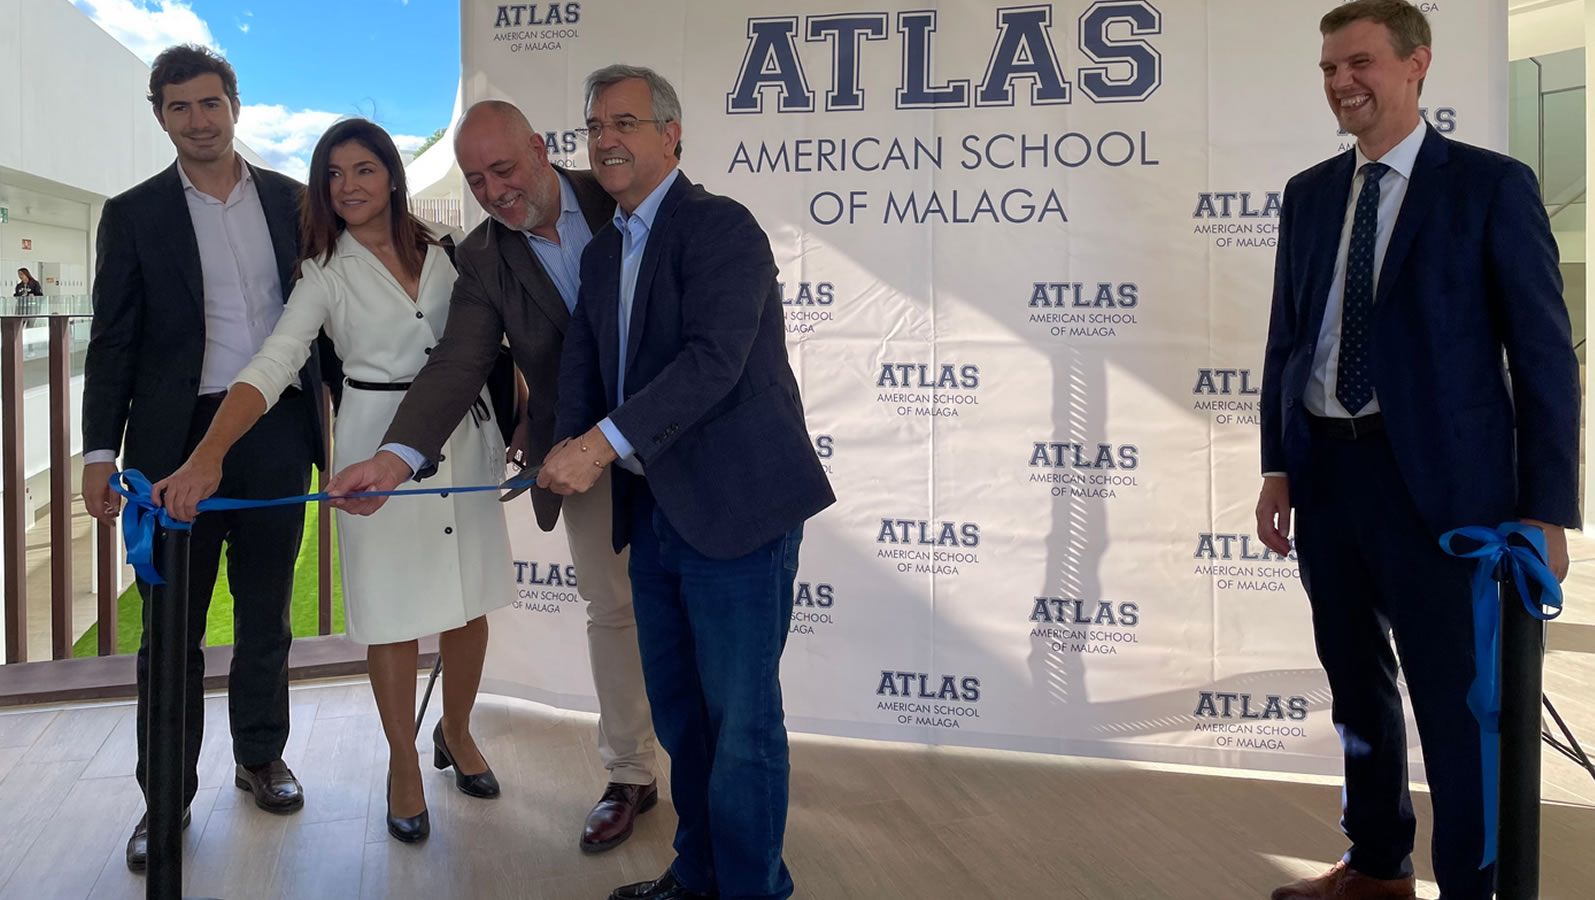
(219, 625)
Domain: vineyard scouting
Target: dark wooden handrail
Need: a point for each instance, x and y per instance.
(13, 477)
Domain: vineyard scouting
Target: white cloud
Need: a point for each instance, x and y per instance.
(147, 27)
(285, 139)
(409, 143)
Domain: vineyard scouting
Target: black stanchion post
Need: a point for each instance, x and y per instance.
(168, 639)
(168, 645)
(1522, 685)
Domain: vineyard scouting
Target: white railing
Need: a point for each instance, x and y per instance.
(444, 212)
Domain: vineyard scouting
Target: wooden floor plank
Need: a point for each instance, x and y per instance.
(30, 795)
(868, 820)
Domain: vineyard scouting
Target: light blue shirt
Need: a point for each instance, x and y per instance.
(563, 261)
(1320, 396)
(634, 230)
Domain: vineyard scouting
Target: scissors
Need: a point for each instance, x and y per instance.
(520, 483)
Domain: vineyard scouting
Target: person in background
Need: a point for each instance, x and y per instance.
(27, 285)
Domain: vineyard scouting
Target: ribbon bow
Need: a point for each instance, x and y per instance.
(139, 521)
(1514, 552)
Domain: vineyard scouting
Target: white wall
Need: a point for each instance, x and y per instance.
(81, 94)
(1540, 27)
(51, 243)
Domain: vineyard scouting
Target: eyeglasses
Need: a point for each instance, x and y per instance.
(595, 130)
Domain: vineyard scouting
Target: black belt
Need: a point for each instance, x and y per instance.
(479, 410)
(1347, 429)
(291, 390)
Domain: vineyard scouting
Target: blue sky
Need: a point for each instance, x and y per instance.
(303, 64)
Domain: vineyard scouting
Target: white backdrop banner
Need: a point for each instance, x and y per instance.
(1027, 255)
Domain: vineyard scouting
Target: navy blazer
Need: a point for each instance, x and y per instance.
(1472, 353)
(711, 406)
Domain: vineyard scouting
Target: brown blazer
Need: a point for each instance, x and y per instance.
(502, 290)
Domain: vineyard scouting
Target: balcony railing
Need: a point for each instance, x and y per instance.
(61, 677)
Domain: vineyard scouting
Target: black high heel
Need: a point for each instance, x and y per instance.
(412, 830)
(484, 785)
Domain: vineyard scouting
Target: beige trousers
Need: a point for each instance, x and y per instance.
(625, 724)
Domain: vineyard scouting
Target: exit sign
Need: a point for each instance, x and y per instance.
(5, 215)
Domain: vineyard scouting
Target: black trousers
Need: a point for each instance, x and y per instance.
(1373, 571)
(271, 460)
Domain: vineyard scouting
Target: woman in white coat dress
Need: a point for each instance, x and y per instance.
(378, 280)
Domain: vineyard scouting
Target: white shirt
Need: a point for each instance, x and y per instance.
(243, 293)
(1320, 396)
(242, 290)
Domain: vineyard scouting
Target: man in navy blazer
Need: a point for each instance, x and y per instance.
(674, 370)
(1407, 270)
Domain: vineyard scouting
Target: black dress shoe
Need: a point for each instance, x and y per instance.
(611, 821)
(484, 785)
(411, 830)
(665, 887)
(138, 846)
(275, 788)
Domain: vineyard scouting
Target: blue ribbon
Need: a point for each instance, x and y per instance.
(1517, 552)
(142, 515)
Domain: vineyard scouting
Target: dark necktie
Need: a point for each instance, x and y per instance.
(1353, 379)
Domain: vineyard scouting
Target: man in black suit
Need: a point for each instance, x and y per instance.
(191, 274)
(675, 370)
(519, 273)
(1408, 268)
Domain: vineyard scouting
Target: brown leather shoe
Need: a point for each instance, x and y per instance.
(1342, 882)
(275, 788)
(610, 822)
(138, 846)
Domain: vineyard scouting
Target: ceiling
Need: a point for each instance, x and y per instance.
(32, 199)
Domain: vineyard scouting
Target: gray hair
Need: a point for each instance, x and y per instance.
(666, 106)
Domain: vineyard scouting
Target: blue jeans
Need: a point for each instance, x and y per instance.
(711, 633)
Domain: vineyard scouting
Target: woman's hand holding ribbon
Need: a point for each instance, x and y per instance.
(179, 493)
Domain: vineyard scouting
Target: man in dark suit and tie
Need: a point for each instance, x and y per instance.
(1407, 269)
(675, 371)
(191, 272)
(519, 274)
